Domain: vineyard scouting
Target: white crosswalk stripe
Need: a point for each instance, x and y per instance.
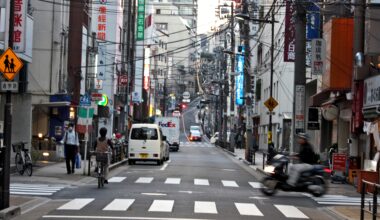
(76, 204)
(173, 181)
(229, 183)
(201, 182)
(144, 180)
(248, 209)
(205, 207)
(256, 185)
(290, 211)
(339, 200)
(167, 206)
(33, 189)
(116, 179)
(195, 144)
(162, 206)
(119, 205)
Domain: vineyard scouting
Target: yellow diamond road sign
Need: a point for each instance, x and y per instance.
(10, 64)
(271, 103)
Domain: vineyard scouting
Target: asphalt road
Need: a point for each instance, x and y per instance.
(200, 181)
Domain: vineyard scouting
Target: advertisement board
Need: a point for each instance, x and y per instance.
(339, 162)
(239, 79)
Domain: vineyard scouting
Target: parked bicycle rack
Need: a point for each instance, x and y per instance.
(375, 187)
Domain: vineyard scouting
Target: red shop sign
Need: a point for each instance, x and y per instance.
(339, 161)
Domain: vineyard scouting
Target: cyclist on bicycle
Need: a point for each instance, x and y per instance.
(102, 145)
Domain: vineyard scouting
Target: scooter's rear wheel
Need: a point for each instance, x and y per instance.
(319, 186)
(269, 186)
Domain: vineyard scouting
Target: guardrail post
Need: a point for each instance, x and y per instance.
(264, 155)
(374, 210)
(362, 200)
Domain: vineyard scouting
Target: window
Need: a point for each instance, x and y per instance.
(144, 134)
(158, 11)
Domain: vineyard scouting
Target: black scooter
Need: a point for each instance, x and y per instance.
(311, 181)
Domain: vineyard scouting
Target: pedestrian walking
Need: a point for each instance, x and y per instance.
(71, 144)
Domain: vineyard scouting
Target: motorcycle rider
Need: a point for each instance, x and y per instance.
(306, 157)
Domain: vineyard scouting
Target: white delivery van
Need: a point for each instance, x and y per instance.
(147, 143)
(170, 128)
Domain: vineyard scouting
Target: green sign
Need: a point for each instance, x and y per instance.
(140, 20)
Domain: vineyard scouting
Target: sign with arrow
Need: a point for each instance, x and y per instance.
(271, 103)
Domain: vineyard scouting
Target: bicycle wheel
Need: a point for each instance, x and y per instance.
(19, 164)
(28, 165)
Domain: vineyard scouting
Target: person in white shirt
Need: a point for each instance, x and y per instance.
(71, 142)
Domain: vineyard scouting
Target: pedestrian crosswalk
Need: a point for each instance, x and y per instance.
(195, 144)
(169, 206)
(33, 189)
(178, 181)
(339, 200)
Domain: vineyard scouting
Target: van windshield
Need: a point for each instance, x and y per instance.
(144, 134)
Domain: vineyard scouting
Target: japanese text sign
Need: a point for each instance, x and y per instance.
(339, 162)
(140, 20)
(19, 31)
(101, 27)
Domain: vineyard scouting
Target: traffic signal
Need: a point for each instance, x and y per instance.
(183, 106)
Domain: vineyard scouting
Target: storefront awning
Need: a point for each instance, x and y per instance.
(323, 98)
(53, 104)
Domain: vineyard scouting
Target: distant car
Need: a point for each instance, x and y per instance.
(176, 113)
(196, 128)
(195, 136)
(215, 137)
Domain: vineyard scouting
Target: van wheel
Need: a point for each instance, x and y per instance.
(131, 162)
(159, 162)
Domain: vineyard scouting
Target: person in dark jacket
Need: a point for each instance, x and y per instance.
(306, 157)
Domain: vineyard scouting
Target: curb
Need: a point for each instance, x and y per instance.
(114, 165)
(232, 153)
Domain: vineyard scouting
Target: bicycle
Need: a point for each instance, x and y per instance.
(23, 160)
(101, 160)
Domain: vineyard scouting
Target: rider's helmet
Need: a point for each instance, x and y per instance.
(303, 136)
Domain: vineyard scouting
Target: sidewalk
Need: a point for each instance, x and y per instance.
(48, 173)
(342, 212)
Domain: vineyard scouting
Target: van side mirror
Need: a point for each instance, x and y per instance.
(164, 138)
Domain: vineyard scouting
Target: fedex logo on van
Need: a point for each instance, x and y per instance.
(168, 124)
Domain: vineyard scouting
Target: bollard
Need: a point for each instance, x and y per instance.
(254, 158)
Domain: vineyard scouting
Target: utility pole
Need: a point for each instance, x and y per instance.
(247, 78)
(270, 125)
(232, 101)
(298, 122)
(5, 155)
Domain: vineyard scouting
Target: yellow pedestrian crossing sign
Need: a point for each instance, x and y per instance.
(10, 64)
(271, 103)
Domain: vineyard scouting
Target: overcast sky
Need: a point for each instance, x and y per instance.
(206, 15)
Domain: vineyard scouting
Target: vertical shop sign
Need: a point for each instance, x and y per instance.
(101, 27)
(140, 20)
(313, 22)
(19, 25)
(146, 68)
(290, 34)
(300, 108)
(239, 80)
(318, 56)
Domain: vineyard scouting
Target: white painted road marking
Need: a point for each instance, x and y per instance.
(205, 207)
(76, 204)
(144, 180)
(162, 206)
(164, 166)
(256, 185)
(33, 189)
(173, 181)
(290, 211)
(201, 182)
(248, 209)
(113, 217)
(119, 205)
(116, 179)
(228, 183)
